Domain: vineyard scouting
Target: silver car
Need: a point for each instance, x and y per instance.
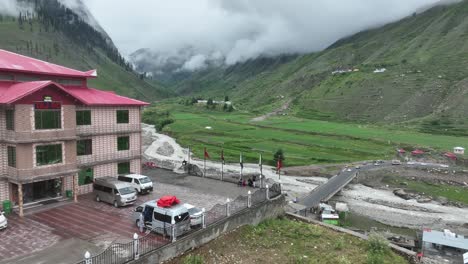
(160, 219)
(115, 192)
(196, 214)
(3, 221)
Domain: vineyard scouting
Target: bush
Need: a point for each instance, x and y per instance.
(377, 244)
(375, 258)
(158, 119)
(193, 259)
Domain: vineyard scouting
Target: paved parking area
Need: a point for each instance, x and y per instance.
(93, 226)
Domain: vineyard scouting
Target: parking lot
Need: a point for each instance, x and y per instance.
(62, 234)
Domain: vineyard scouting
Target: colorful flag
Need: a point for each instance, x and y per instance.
(222, 155)
(279, 164)
(207, 156)
(241, 162)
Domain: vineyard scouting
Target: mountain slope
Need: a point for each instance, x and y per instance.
(56, 34)
(425, 83)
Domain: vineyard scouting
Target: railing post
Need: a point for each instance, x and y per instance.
(173, 229)
(203, 218)
(87, 257)
(136, 252)
(228, 207)
(249, 199)
(279, 183)
(267, 192)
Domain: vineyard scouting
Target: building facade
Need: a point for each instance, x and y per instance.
(57, 134)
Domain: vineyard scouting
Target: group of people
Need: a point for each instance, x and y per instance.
(251, 182)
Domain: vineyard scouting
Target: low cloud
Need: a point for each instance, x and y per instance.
(242, 29)
(13, 7)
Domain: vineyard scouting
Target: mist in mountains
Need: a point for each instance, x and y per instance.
(235, 31)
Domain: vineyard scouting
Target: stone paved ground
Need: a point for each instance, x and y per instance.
(99, 223)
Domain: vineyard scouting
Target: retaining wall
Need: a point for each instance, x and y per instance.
(249, 216)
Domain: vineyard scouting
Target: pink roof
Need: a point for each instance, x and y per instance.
(402, 151)
(417, 152)
(93, 96)
(13, 62)
(11, 92)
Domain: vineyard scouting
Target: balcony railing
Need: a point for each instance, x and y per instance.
(90, 160)
(103, 130)
(40, 173)
(37, 135)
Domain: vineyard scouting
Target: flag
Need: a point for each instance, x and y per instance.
(241, 162)
(222, 156)
(207, 156)
(279, 165)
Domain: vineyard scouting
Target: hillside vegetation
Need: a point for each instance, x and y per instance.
(288, 241)
(56, 34)
(425, 84)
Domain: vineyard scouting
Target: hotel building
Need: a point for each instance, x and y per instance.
(57, 134)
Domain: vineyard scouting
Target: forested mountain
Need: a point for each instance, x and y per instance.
(424, 82)
(48, 30)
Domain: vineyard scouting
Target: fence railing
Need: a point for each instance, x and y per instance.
(42, 172)
(92, 130)
(93, 159)
(120, 253)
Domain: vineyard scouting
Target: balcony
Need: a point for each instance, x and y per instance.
(117, 156)
(92, 130)
(36, 136)
(40, 173)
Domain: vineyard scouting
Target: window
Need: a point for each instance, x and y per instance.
(48, 154)
(125, 179)
(181, 217)
(12, 156)
(48, 119)
(162, 217)
(25, 78)
(10, 119)
(85, 176)
(71, 82)
(6, 77)
(123, 143)
(101, 188)
(84, 147)
(83, 117)
(122, 116)
(123, 168)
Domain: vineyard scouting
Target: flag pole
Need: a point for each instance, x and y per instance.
(222, 164)
(261, 171)
(188, 155)
(204, 163)
(242, 167)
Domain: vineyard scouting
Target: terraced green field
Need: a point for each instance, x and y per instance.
(304, 141)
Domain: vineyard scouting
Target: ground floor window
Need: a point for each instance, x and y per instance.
(85, 176)
(123, 168)
(48, 154)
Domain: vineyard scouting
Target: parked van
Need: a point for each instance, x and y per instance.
(115, 192)
(141, 183)
(159, 219)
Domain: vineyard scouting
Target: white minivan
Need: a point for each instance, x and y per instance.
(159, 219)
(141, 183)
(3, 221)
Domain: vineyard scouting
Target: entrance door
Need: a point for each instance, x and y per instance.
(41, 190)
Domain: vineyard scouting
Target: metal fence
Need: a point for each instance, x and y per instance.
(119, 253)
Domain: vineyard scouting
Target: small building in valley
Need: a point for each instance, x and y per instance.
(459, 150)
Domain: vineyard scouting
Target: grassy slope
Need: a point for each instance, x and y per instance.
(415, 51)
(304, 141)
(110, 75)
(286, 241)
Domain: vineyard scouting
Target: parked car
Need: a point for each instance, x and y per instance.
(113, 191)
(3, 221)
(159, 219)
(141, 183)
(195, 214)
(396, 162)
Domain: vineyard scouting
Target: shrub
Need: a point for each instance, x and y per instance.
(377, 244)
(193, 259)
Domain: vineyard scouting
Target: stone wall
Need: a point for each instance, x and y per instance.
(248, 216)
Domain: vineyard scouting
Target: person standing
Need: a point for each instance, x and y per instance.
(141, 222)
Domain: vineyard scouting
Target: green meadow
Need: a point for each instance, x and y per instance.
(303, 141)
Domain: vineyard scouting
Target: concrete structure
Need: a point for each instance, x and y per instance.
(57, 134)
(445, 246)
(459, 150)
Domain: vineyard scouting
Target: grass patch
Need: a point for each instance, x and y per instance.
(452, 193)
(287, 241)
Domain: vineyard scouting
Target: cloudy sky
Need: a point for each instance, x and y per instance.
(236, 30)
